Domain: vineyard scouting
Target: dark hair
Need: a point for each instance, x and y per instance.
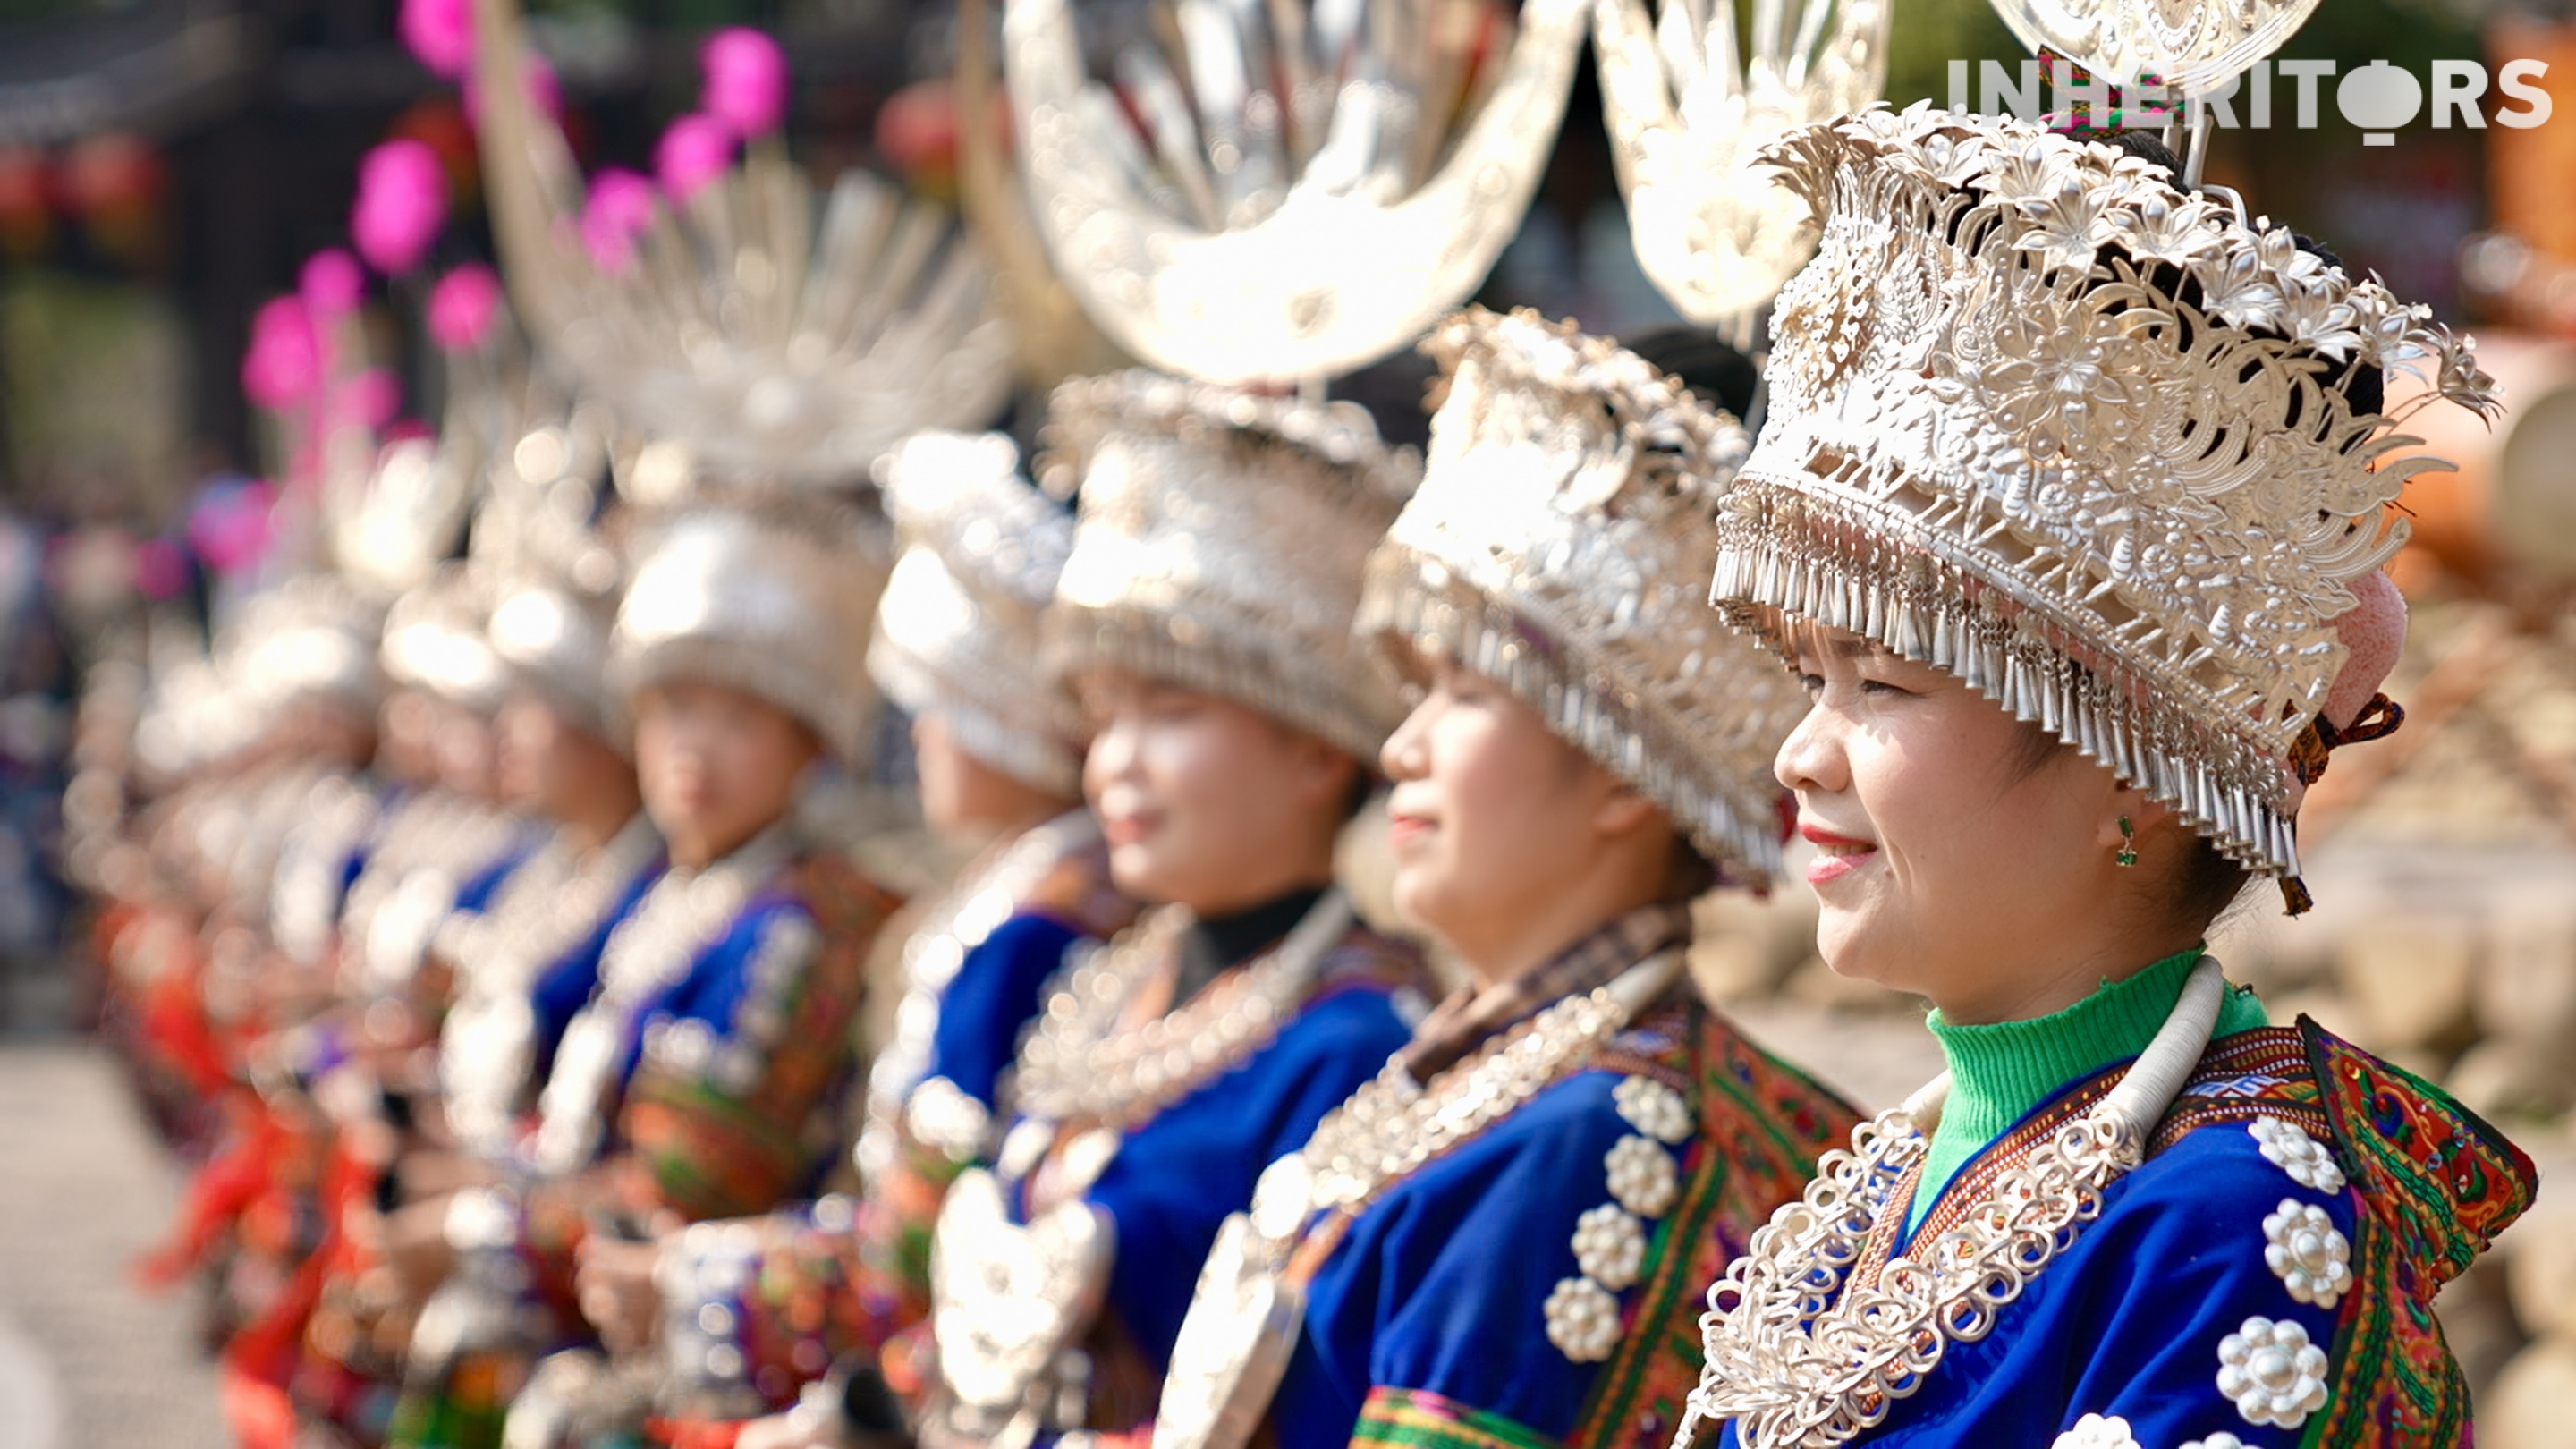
(1701, 361)
(2202, 887)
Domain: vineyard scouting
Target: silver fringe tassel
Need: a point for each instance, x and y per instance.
(1032, 753)
(1353, 715)
(1892, 582)
(840, 716)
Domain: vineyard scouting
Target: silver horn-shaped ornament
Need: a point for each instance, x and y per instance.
(1690, 105)
(774, 347)
(1283, 190)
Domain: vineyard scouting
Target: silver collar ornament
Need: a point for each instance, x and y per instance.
(1799, 1357)
(1555, 546)
(779, 338)
(1248, 1310)
(1690, 105)
(2042, 421)
(1307, 189)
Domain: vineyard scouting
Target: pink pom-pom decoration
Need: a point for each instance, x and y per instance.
(284, 363)
(160, 570)
(229, 527)
(695, 151)
(371, 399)
(402, 203)
(619, 210)
(440, 33)
(462, 307)
(545, 92)
(331, 283)
(746, 80)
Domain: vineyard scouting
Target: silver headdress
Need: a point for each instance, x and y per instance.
(1556, 546)
(553, 641)
(434, 640)
(772, 596)
(1221, 543)
(780, 350)
(311, 637)
(2041, 420)
(958, 632)
(1689, 115)
(1308, 189)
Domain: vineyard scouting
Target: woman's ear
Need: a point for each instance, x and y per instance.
(1624, 808)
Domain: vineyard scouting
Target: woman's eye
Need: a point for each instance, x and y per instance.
(1881, 686)
(1814, 684)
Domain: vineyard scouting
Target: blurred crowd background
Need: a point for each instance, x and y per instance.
(167, 165)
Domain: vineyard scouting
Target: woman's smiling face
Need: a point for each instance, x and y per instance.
(1947, 865)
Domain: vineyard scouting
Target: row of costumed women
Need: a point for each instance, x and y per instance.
(515, 950)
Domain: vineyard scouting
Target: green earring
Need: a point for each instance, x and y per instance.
(2128, 844)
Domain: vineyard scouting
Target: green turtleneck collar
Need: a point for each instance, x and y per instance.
(1999, 1073)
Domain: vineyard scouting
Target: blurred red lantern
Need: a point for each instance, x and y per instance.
(116, 184)
(439, 123)
(917, 134)
(26, 203)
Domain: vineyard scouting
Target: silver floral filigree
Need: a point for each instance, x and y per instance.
(2303, 1250)
(2094, 1431)
(2032, 420)
(1690, 105)
(2293, 1151)
(1287, 195)
(2272, 1373)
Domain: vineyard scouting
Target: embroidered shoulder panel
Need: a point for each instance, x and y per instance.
(1761, 1127)
(2432, 1185)
(1412, 1419)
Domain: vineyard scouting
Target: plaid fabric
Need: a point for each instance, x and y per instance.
(1473, 1013)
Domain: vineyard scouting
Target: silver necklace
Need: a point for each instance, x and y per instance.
(1248, 1310)
(550, 903)
(971, 911)
(1794, 1372)
(1084, 1065)
(683, 914)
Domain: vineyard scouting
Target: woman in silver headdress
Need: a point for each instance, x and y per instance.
(1572, 1140)
(1204, 619)
(2070, 510)
(750, 1318)
(696, 1079)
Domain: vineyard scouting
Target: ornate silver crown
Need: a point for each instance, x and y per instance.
(778, 348)
(958, 632)
(434, 640)
(1220, 545)
(2042, 420)
(1689, 109)
(1302, 189)
(1556, 545)
(766, 594)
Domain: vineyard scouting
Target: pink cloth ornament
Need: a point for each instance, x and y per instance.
(462, 307)
(229, 528)
(331, 283)
(371, 399)
(284, 363)
(746, 80)
(440, 33)
(619, 210)
(402, 203)
(695, 151)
